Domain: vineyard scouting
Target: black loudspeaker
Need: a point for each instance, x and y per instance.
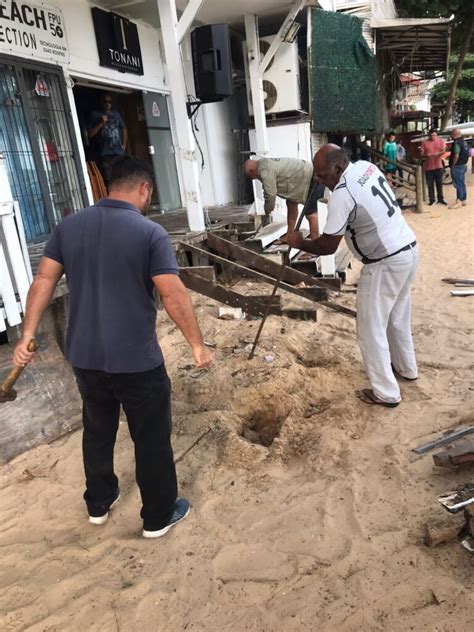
(212, 63)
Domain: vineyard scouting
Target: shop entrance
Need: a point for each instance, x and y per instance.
(148, 137)
(37, 140)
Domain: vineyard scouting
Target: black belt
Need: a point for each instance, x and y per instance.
(409, 247)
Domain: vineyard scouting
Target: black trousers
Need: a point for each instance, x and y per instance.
(146, 401)
(435, 176)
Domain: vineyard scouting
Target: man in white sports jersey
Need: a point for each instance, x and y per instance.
(363, 209)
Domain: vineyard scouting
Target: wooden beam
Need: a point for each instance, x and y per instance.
(206, 272)
(248, 304)
(304, 292)
(312, 293)
(261, 263)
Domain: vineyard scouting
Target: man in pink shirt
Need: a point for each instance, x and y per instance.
(432, 150)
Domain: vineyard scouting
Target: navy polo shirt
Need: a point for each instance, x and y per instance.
(110, 252)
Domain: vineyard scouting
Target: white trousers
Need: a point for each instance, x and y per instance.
(383, 322)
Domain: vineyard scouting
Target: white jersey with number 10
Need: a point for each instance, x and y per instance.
(363, 207)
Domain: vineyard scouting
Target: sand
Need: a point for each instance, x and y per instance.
(319, 529)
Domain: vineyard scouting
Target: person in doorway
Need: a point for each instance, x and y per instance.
(114, 260)
(458, 159)
(363, 208)
(401, 157)
(390, 152)
(432, 150)
(110, 134)
(289, 178)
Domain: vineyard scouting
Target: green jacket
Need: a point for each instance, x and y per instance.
(289, 178)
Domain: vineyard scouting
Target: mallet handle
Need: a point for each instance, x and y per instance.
(15, 373)
(286, 260)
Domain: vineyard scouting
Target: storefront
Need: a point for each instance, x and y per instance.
(55, 66)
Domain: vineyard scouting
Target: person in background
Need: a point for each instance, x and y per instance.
(458, 159)
(390, 152)
(432, 150)
(291, 179)
(115, 261)
(401, 157)
(110, 136)
(363, 209)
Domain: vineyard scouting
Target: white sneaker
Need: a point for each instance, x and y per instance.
(104, 517)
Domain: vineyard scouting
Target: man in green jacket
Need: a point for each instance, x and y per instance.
(289, 178)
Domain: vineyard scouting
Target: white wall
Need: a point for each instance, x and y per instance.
(84, 57)
(214, 121)
(287, 141)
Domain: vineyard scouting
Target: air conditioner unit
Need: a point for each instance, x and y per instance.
(281, 80)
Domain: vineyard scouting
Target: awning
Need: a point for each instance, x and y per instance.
(415, 44)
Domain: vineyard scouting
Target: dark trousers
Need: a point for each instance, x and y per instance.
(435, 176)
(146, 401)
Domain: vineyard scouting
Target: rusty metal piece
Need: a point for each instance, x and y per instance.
(7, 392)
(455, 457)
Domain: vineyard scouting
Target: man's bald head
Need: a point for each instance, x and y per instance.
(329, 163)
(251, 169)
(456, 133)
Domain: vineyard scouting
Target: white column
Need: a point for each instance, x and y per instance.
(256, 83)
(186, 144)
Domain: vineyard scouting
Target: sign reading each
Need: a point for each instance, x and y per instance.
(34, 30)
(117, 42)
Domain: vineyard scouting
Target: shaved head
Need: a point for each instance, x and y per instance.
(329, 163)
(251, 169)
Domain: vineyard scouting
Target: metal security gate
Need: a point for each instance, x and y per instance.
(38, 143)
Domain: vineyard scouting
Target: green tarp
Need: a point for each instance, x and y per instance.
(343, 75)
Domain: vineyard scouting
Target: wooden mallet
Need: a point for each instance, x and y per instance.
(7, 392)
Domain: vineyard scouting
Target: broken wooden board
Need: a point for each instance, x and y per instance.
(440, 532)
(260, 263)
(456, 456)
(206, 272)
(312, 293)
(248, 304)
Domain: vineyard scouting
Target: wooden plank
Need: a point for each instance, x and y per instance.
(248, 304)
(304, 292)
(456, 456)
(312, 293)
(206, 272)
(261, 263)
(263, 298)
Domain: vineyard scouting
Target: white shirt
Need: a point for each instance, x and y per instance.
(364, 209)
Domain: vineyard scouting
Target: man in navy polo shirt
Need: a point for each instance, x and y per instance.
(114, 260)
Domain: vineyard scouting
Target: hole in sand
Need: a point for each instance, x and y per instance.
(262, 426)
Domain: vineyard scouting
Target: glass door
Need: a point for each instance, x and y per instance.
(38, 142)
(162, 151)
(17, 149)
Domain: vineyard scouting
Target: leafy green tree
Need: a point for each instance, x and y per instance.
(463, 26)
(464, 102)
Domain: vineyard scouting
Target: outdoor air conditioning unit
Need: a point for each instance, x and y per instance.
(281, 80)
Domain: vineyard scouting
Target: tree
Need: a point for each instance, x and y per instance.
(464, 103)
(463, 25)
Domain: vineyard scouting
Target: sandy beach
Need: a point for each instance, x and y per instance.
(308, 506)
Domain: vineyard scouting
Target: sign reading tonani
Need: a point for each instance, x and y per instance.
(34, 30)
(117, 42)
